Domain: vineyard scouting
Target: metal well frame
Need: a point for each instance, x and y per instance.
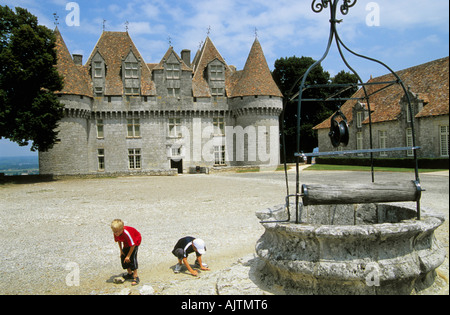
(333, 5)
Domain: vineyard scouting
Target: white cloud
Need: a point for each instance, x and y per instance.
(414, 13)
(284, 27)
(149, 11)
(138, 28)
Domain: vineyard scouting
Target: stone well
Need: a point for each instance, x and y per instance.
(350, 249)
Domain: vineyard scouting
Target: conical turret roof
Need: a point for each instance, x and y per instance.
(256, 78)
(76, 77)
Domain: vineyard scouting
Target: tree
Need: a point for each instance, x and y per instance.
(29, 107)
(344, 78)
(287, 74)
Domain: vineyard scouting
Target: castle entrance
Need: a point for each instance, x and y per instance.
(178, 164)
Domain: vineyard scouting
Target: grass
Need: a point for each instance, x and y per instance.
(326, 167)
(248, 170)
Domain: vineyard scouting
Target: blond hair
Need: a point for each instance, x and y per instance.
(117, 225)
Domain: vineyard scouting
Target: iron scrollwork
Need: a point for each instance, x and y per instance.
(323, 4)
(318, 7)
(347, 4)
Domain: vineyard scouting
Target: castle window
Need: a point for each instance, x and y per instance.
(174, 92)
(98, 67)
(100, 133)
(101, 159)
(133, 128)
(217, 92)
(176, 151)
(98, 91)
(216, 79)
(219, 126)
(131, 70)
(359, 142)
(134, 159)
(131, 75)
(216, 73)
(219, 155)
(443, 134)
(175, 127)
(173, 71)
(173, 76)
(98, 73)
(132, 91)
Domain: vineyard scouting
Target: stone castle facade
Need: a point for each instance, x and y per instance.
(123, 115)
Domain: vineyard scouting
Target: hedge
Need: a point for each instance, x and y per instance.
(430, 163)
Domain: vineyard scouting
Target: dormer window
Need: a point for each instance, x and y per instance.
(98, 72)
(173, 77)
(173, 71)
(216, 79)
(131, 72)
(216, 73)
(174, 92)
(98, 91)
(217, 92)
(98, 69)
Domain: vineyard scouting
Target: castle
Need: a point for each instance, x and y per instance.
(125, 116)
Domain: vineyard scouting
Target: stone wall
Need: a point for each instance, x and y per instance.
(427, 137)
(77, 149)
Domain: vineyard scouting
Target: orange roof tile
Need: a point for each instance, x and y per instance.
(160, 65)
(208, 53)
(256, 78)
(114, 47)
(76, 77)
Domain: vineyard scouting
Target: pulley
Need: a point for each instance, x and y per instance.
(339, 130)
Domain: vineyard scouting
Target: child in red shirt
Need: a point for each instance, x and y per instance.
(131, 239)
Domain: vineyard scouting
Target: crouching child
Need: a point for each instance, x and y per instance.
(129, 240)
(183, 248)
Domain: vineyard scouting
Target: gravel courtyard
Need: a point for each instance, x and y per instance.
(52, 230)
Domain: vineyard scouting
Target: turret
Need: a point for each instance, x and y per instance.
(256, 102)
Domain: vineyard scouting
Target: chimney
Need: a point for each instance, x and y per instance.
(78, 59)
(186, 56)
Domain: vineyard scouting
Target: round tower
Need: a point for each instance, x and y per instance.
(256, 103)
(70, 154)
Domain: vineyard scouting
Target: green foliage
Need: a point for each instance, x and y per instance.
(288, 74)
(424, 163)
(29, 108)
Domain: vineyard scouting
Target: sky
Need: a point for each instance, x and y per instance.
(400, 33)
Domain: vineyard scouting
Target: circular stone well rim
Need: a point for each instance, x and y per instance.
(337, 259)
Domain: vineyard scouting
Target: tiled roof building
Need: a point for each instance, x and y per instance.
(123, 115)
(428, 87)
